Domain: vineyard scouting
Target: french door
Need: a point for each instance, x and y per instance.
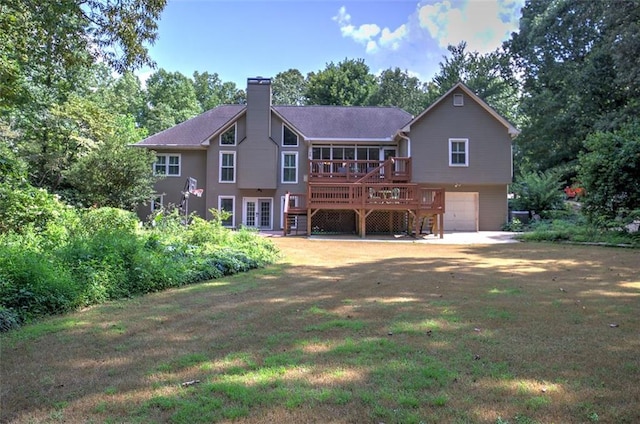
(258, 212)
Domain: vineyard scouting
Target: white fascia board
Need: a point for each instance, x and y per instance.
(169, 146)
(351, 140)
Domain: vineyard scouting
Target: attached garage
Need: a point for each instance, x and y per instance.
(461, 211)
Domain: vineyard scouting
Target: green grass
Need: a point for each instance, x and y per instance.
(502, 345)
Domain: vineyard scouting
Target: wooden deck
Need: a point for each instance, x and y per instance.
(364, 188)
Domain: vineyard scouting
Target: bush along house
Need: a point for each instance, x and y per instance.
(340, 169)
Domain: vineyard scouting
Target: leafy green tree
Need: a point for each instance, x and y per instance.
(575, 79)
(397, 88)
(289, 88)
(349, 83)
(171, 99)
(125, 96)
(47, 53)
(487, 75)
(609, 171)
(13, 170)
(211, 91)
(113, 173)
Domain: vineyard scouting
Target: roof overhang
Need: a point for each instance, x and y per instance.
(350, 140)
(206, 142)
(169, 146)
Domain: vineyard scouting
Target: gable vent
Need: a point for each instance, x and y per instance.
(458, 100)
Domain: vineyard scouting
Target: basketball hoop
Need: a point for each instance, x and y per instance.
(197, 192)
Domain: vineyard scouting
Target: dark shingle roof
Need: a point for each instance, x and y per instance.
(196, 130)
(314, 122)
(345, 122)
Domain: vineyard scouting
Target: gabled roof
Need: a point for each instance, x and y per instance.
(344, 122)
(197, 130)
(513, 131)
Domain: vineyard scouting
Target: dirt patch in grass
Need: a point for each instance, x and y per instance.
(344, 331)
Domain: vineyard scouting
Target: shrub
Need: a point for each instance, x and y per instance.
(537, 191)
(109, 256)
(32, 284)
(110, 220)
(9, 320)
(33, 211)
(610, 170)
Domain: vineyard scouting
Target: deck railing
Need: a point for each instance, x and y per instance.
(376, 196)
(351, 171)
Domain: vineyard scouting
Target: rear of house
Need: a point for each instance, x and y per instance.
(247, 160)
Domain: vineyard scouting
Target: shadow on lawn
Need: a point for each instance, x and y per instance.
(475, 334)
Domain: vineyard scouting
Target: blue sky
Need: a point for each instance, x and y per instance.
(241, 39)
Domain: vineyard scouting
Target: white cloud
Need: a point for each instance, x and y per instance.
(418, 44)
(483, 24)
(362, 34)
(393, 39)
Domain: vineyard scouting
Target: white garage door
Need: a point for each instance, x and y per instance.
(461, 212)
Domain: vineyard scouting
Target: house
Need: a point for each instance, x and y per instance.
(336, 169)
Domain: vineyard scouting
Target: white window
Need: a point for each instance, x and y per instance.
(227, 204)
(227, 167)
(458, 100)
(228, 138)
(289, 138)
(458, 152)
(290, 167)
(157, 203)
(168, 165)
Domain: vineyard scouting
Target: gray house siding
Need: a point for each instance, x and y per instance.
(489, 145)
(489, 156)
(261, 190)
(258, 153)
(192, 164)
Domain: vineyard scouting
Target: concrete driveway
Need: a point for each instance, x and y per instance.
(468, 238)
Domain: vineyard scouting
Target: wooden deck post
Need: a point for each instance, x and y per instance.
(441, 224)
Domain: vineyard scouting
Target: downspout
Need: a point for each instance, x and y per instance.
(401, 135)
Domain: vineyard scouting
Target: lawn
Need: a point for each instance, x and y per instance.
(351, 332)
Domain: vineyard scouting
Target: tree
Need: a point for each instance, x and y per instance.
(211, 91)
(289, 88)
(396, 88)
(47, 54)
(575, 80)
(609, 171)
(486, 75)
(113, 173)
(171, 99)
(348, 83)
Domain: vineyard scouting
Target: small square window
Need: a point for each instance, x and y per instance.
(167, 165)
(458, 100)
(228, 138)
(289, 138)
(458, 152)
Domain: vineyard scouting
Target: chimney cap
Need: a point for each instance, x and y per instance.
(259, 80)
